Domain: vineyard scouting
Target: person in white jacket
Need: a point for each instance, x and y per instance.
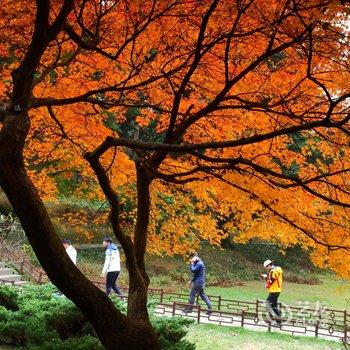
(111, 267)
(70, 250)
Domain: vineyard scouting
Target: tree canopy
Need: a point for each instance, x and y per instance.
(194, 118)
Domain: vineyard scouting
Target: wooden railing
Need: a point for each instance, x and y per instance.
(296, 320)
(6, 282)
(21, 263)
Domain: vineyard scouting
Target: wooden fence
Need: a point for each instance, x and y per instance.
(6, 282)
(21, 263)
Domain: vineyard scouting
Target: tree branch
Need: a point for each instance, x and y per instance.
(191, 70)
(292, 223)
(187, 148)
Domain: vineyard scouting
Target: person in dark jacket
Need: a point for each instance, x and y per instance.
(198, 282)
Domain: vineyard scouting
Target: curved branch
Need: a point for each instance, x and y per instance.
(188, 148)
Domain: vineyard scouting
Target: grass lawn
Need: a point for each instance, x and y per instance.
(332, 293)
(226, 338)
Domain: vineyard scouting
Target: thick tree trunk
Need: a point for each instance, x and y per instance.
(137, 300)
(115, 330)
(139, 282)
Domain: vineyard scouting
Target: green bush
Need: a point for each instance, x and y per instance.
(13, 333)
(161, 281)
(4, 314)
(171, 333)
(83, 343)
(68, 322)
(92, 255)
(44, 320)
(8, 298)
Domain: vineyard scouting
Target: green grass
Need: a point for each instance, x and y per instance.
(226, 338)
(332, 293)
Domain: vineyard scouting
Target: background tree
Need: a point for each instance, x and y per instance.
(241, 106)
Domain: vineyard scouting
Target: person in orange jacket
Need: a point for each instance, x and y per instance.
(274, 279)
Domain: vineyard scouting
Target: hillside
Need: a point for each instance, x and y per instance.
(225, 267)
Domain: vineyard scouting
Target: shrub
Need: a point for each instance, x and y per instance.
(68, 322)
(45, 321)
(83, 343)
(8, 298)
(161, 281)
(13, 333)
(171, 332)
(302, 278)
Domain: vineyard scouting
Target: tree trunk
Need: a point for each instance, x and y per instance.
(115, 330)
(134, 251)
(139, 282)
(137, 300)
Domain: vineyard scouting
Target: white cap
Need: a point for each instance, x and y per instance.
(267, 263)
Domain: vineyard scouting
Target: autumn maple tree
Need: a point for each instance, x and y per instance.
(212, 116)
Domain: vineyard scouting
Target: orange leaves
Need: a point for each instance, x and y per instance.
(132, 69)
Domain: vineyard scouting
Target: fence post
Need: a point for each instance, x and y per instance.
(345, 327)
(316, 328)
(199, 314)
(174, 306)
(257, 308)
(219, 302)
(242, 319)
(21, 267)
(161, 295)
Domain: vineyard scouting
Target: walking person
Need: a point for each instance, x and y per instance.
(72, 253)
(198, 282)
(111, 267)
(70, 250)
(274, 278)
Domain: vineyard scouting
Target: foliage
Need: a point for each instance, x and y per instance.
(8, 226)
(234, 90)
(8, 298)
(45, 320)
(172, 331)
(81, 343)
(233, 266)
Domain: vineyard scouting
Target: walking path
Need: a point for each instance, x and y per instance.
(9, 277)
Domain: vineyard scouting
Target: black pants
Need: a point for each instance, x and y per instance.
(111, 282)
(272, 306)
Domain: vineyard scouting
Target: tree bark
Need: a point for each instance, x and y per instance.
(115, 330)
(134, 251)
(138, 285)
